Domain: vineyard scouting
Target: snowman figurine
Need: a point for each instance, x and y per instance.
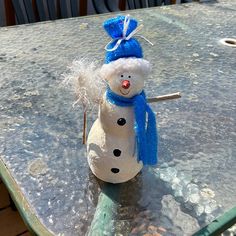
(124, 136)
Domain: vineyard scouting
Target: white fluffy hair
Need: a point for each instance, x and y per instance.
(138, 65)
(85, 82)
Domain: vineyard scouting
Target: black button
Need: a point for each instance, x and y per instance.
(121, 121)
(115, 170)
(116, 152)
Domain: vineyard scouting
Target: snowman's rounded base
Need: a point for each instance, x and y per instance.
(104, 162)
(113, 180)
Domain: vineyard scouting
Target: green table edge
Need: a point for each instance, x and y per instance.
(106, 210)
(219, 225)
(29, 217)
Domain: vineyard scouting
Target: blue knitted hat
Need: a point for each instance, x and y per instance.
(121, 46)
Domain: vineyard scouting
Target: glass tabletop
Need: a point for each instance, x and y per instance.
(41, 147)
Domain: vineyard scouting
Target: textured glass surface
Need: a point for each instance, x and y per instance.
(41, 134)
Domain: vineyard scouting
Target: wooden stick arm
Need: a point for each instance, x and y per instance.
(164, 97)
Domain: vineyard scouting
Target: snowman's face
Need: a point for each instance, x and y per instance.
(126, 84)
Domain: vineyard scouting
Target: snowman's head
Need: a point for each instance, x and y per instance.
(126, 76)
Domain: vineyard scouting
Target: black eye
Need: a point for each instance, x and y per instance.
(122, 76)
(129, 76)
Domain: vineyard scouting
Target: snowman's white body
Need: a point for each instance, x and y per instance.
(111, 144)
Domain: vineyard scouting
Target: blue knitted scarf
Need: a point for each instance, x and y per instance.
(146, 135)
